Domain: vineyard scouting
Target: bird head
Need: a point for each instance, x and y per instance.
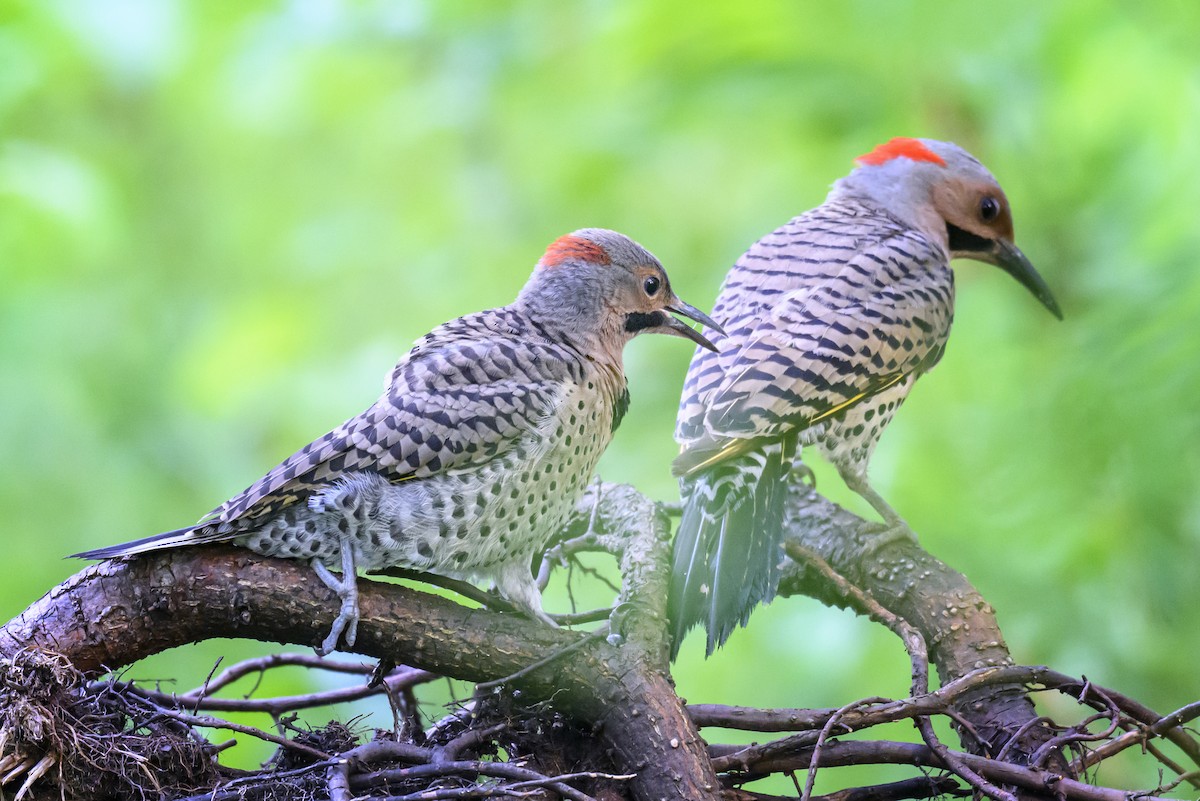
(943, 191)
(600, 282)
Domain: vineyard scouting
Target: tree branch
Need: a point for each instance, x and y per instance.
(840, 754)
(613, 680)
(959, 625)
(114, 613)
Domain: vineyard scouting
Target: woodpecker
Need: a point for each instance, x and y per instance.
(484, 438)
(830, 320)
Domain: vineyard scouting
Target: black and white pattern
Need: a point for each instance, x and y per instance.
(829, 319)
(480, 445)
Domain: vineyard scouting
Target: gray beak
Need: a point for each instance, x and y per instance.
(683, 329)
(662, 323)
(1009, 258)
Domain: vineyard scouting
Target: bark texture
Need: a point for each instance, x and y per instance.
(613, 683)
(114, 613)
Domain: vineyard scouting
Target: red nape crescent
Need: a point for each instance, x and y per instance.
(573, 248)
(901, 146)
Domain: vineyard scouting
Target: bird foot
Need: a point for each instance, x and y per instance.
(804, 473)
(530, 606)
(880, 535)
(542, 616)
(347, 620)
(517, 586)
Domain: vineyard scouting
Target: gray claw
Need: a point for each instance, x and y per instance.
(805, 473)
(347, 619)
(884, 534)
(329, 645)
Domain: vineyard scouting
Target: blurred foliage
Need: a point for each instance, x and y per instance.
(220, 223)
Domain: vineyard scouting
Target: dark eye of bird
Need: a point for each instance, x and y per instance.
(989, 209)
(651, 285)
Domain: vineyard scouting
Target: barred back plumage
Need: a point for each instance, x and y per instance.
(480, 445)
(829, 321)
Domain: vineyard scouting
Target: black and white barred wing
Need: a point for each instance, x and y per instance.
(466, 393)
(824, 348)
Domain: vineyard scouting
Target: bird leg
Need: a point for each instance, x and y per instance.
(351, 497)
(894, 528)
(347, 590)
(803, 473)
(597, 491)
(516, 585)
(792, 456)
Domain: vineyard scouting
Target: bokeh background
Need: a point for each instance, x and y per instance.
(221, 223)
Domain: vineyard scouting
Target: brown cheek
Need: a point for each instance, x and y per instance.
(954, 200)
(1003, 225)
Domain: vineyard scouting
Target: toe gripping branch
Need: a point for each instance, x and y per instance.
(347, 586)
(347, 591)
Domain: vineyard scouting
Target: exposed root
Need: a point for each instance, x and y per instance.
(54, 731)
(61, 736)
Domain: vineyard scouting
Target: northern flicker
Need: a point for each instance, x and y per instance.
(485, 436)
(830, 320)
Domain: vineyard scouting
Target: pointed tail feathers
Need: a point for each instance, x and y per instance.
(727, 550)
(192, 535)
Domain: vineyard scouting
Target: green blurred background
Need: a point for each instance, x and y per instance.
(221, 223)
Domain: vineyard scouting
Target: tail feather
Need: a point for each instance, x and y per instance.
(192, 535)
(691, 581)
(727, 550)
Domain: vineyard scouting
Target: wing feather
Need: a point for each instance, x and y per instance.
(832, 338)
(465, 394)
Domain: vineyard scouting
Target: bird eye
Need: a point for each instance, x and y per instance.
(651, 285)
(989, 209)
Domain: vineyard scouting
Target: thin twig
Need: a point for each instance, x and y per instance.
(209, 722)
(1193, 776)
(860, 752)
(1079, 732)
(264, 663)
(916, 787)
(1143, 714)
(811, 777)
(204, 688)
(914, 644)
(287, 703)
(1163, 725)
(1015, 740)
(471, 738)
(592, 616)
(561, 554)
(941, 701)
(501, 770)
(561, 652)
(1075, 734)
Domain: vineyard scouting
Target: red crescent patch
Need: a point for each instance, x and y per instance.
(575, 248)
(901, 146)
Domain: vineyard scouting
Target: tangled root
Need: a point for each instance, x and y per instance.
(56, 733)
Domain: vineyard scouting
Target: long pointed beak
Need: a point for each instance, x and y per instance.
(1008, 257)
(692, 313)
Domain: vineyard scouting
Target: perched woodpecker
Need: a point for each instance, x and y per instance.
(485, 437)
(830, 320)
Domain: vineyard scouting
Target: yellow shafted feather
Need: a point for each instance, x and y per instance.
(740, 446)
